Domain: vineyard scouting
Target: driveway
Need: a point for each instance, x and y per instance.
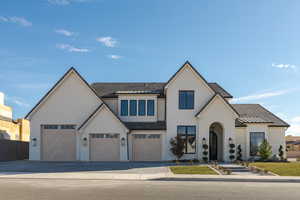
(103, 167)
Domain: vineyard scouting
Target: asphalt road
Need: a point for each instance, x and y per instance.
(11, 189)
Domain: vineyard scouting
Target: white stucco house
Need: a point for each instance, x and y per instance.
(135, 121)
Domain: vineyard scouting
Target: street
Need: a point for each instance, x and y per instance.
(11, 189)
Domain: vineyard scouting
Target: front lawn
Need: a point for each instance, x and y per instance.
(192, 170)
(282, 169)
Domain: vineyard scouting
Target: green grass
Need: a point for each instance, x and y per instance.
(282, 169)
(192, 170)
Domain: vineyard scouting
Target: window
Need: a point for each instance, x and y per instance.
(150, 107)
(186, 99)
(50, 126)
(133, 107)
(188, 134)
(142, 107)
(256, 138)
(67, 126)
(124, 107)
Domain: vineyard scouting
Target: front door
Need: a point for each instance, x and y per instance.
(213, 146)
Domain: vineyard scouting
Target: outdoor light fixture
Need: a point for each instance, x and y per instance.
(230, 140)
(84, 141)
(33, 140)
(203, 141)
(123, 141)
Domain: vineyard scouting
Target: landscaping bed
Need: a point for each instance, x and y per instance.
(280, 168)
(192, 170)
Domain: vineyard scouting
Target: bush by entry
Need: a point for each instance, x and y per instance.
(192, 170)
(282, 169)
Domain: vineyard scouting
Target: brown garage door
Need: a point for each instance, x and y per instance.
(104, 147)
(58, 144)
(146, 147)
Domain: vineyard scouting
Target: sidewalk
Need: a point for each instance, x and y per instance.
(148, 177)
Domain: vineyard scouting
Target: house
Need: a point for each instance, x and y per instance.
(11, 129)
(136, 121)
(293, 146)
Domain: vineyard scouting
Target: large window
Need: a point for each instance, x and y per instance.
(186, 99)
(133, 108)
(124, 107)
(142, 107)
(256, 138)
(188, 134)
(150, 107)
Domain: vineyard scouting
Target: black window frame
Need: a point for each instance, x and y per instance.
(185, 105)
(144, 107)
(133, 107)
(186, 136)
(127, 108)
(251, 150)
(150, 114)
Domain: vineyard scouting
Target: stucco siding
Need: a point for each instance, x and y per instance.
(104, 122)
(161, 108)
(240, 138)
(112, 103)
(70, 103)
(276, 138)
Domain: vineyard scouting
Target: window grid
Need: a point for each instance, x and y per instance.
(186, 99)
(141, 107)
(188, 134)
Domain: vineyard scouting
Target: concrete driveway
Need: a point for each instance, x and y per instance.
(103, 167)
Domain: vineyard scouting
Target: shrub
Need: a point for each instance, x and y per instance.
(177, 147)
(231, 157)
(231, 151)
(265, 150)
(281, 153)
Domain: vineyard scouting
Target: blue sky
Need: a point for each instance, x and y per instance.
(251, 48)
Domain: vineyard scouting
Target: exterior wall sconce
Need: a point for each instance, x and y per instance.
(122, 141)
(84, 141)
(203, 141)
(34, 142)
(230, 140)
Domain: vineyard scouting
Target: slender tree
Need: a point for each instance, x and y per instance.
(265, 150)
(177, 147)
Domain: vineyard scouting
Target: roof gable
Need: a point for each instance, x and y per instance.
(96, 112)
(210, 102)
(188, 65)
(71, 71)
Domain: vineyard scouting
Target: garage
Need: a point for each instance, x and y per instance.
(146, 147)
(58, 143)
(105, 147)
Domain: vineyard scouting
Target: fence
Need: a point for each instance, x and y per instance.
(13, 150)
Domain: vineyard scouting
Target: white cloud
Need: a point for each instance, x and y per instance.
(66, 2)
(16, 20)
(115, 57)
(71, 48)
(17, 101)
(64, 32)
(294, 128)
(260, 96)
(107, 41)
(284, 66)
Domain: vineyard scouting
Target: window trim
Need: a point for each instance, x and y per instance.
(193, 107)
(250, 141)
(186, 137)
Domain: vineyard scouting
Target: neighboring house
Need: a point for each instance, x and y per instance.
(135, 121)
(12, 129)
(293, 146)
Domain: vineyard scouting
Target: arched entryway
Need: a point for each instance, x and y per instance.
(216, 142)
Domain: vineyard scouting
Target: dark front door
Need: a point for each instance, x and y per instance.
(213, 146)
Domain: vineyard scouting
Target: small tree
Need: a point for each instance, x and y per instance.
(281, 153)
(265, 150)
(239, 153)
(205, 152)
(177, 146)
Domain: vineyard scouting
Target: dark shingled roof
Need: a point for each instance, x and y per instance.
(255, 113)
(159, 125)
(109, 90)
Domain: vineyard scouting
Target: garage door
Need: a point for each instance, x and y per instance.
(104, 147)
(58, 143)
(146, 147)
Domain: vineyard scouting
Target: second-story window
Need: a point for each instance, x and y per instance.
(124, 107)
(133, 108)
(150, 107)
(186, 99)
(142, 107)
